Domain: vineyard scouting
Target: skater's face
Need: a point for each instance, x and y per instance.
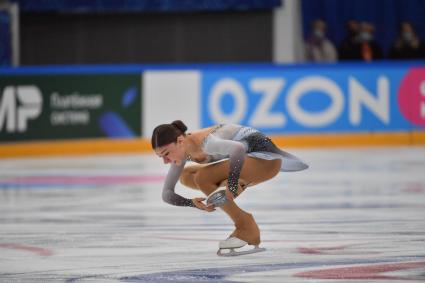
(173, 152)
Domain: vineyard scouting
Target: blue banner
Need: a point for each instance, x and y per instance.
(312, 100)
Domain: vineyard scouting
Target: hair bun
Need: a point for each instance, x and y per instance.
(179, 125)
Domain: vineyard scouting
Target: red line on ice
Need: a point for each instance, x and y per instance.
(368, 272)
(305, 250)
(36, 250)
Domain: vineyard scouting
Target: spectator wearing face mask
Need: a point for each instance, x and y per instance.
(368, 49)
(318, 48)
(407, 45)
(349, 45)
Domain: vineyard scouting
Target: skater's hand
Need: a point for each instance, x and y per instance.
(198, 202)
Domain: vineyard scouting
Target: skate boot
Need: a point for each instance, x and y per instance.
(228, 247)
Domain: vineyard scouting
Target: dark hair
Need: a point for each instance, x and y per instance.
(167, 133)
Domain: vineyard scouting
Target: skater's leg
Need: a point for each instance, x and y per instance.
(245, 226)
(187, 177)
(209, 177)
(239, 217)
(254, 171)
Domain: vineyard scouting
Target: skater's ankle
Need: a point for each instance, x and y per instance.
(256, 241)
(252, 238)
(250, 217)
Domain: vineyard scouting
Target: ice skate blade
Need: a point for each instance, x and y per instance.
(232, 252)
(217, 198)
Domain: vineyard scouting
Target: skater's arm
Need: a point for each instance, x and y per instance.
(168, 194)
(236, 152)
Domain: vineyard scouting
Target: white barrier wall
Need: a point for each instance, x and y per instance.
(169, 96)
(288, 46)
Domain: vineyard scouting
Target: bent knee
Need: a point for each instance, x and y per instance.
(275, 166)
(202, 177)
(272, 168)
(187, 177)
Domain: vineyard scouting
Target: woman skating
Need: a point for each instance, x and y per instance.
(230, 156)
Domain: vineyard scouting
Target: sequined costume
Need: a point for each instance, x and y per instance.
(233, 142)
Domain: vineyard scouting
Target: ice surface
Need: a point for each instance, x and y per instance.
(356, 215)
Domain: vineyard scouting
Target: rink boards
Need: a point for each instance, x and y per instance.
(115, 108)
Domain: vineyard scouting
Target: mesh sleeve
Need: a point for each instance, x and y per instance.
(168, 194)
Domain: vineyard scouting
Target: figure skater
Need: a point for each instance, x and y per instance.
(230, 158)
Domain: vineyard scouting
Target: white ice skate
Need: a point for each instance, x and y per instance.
(233, 243)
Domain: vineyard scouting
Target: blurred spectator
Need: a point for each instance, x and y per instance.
(349, 45)
(318, 48)
(368, 48)
(407, 45)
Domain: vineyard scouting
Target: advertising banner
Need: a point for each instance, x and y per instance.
(289, 100)
(47, 107)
